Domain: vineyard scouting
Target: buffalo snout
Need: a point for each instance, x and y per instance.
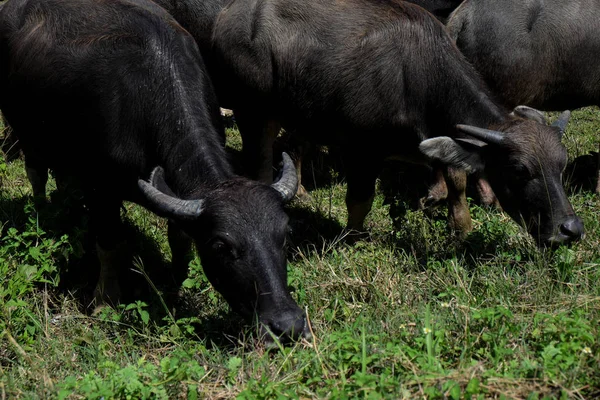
(572, 228)
(290, 325)
(569, 231)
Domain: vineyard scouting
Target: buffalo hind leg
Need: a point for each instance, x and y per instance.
(459, 218)
(9, 145)
(258, 135)
(360, 193)
(112, 249)
(598, 172)
(37, 174)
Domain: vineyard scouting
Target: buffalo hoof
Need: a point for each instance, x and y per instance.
(430, 201)
(107, 294)
(352, 236)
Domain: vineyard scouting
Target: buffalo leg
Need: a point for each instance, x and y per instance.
(181, 252)
(485, 192)
(360, 193)
(258, 136)
(438, 190)
(10, 144)
(459, 218)
(112, 251)
(598, 173)
(300, 150)
(37, 174)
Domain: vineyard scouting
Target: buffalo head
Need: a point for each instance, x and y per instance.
(239, 228)
(524, 160)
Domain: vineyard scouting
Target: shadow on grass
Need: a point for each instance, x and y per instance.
(78, 272)
(580, 174)
(311, 232)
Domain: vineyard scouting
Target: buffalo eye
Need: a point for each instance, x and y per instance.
(521, 172)
(222, 248)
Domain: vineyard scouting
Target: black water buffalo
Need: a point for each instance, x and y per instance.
(115, 92)
(541, 53)
(381, 80)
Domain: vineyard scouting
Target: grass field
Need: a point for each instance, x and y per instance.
(409, 312)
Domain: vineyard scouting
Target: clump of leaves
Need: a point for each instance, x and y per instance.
(28, 257)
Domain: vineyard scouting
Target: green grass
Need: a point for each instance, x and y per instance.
(410, 312)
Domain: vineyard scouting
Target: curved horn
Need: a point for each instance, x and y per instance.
(487, 135)
(166, 205)
(287, 184)
(530, 113)
(562, 121)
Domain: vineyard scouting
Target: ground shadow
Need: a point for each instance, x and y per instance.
(311, 232)
(580, 174)
(78, 272)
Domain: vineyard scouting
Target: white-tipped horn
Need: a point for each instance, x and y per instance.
(287, 184)
(167, 205)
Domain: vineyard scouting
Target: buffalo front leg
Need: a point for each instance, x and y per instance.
(459, 218)
(181, 252)
(485, 192)
(258, 135)
(438, 190)
(112, 250)
(299, 153)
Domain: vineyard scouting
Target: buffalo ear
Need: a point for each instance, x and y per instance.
(457, 153)
(562, 121)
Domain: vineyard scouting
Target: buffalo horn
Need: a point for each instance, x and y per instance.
(488, 136)
(287, 184)
(169, 206)
(530, 113)
(562, 121)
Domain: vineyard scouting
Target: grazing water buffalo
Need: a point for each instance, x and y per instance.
(545, 54)
(381, 80)
(116, 91)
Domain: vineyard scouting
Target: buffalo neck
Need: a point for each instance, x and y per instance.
(190, 136)
(195, 161)
(461, 95)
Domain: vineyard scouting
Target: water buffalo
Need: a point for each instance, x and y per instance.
(380, 80)
(116, 95)
(545, 54)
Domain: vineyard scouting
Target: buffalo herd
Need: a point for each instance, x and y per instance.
(124, 96)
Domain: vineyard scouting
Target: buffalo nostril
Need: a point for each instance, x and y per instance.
(289, 326)
(573, 228)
